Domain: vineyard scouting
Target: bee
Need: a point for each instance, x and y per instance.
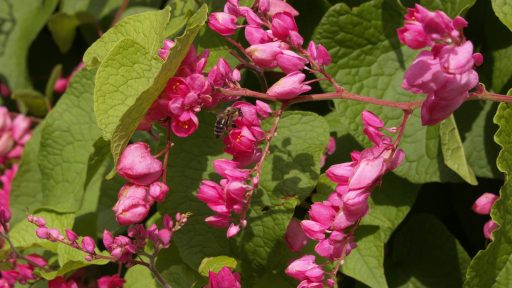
(225, 120)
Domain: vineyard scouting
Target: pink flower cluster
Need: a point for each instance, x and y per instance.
(278, 46)
(331, 222)
(223, 279)
(445, 73)
(308, 272)
(189, 90)
(14, 134)
(483, 206)
(138, 166)
(21, 273)
(121, 248)
(229, 197)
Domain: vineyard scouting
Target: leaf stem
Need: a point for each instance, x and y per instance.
(120, 12)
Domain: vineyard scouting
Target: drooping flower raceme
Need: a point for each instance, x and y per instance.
(446, 72)
(228, 197)
(223, 279)
(331, 222)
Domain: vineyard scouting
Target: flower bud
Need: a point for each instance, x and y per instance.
(71, 235)
(290, 62)
(222, 23)
(232, 230)
(484, 203)
(158, 191)
(295, 238)
(137, 165)
(88, 245)
(264, 55)
(289, 87)
(131, 210)
(42, 232)
(489, 227)
(113, 281)
(61, 85)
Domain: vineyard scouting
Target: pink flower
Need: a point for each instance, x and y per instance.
(289, 87)
(484, 203)
(290, 61)
(137, 165)
(305, 268)
(319, 54)
(232, 230)
(223, 279)
(489, 227)
(279, 6)
(295, 238)
(222, 23)
(185, 125)
(284, 28)
(164, 52)
(113, 281)
(263, 109)
(88, 245)
(256, 35)
(120, 247)
(265, 55)
(133, 204)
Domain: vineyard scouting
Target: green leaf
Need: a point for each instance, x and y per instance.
(503, 9)
(21, 22)
(389, 204)
(63, 29)
(425, 254)
(139, 276)
(368, 60)
(146, 29)
(121, 102)
(192, 162)
(490, 267)
(50, 85)
(293, 166)
(452, 8)
(23, 234)
(267, 222)
(26, 190)
(215, 264)
(175, 271)
(32, 100)
(67, 142)
(453, 151)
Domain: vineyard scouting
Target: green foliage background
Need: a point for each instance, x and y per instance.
(420, 232)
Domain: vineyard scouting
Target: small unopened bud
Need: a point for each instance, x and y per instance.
(88, 245)
(42, 233)
(232, 230)
(72, 237)
(88, 258)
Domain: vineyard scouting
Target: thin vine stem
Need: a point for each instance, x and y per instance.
(257, 169)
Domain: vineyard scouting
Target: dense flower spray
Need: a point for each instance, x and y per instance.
(332, 222)
(445, 72)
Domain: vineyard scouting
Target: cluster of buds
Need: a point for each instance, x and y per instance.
(483, 206)
(121, 248)
(332, 222)
(14, 134)
(135, 199)
(224, 278)
(21, 273)
(242, 142)
(279, 46)
(189, 90)
(445, 72)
